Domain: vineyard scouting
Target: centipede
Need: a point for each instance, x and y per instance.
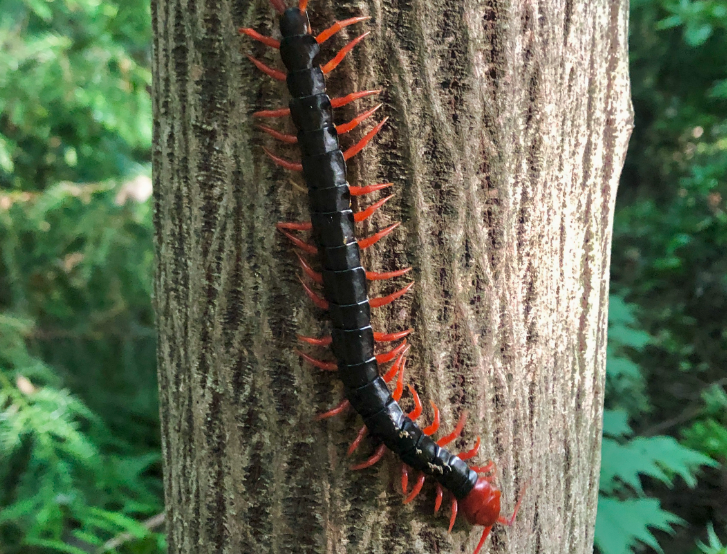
(334, 248)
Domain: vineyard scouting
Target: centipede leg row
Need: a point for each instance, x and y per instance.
(336, 249)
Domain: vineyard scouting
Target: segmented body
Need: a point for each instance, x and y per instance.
(344, 281)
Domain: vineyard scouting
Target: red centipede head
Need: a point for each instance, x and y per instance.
(482, 505)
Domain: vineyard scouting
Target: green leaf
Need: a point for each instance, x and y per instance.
(621, 523)
(55, 545)
(615, 423)
(658, 457)
(696, 35)
(626, 336)
(619, 312)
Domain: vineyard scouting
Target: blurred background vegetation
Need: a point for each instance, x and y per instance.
(79, 441)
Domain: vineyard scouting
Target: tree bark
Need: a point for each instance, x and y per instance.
(509, 124)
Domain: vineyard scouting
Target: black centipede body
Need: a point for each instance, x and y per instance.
(344, 279)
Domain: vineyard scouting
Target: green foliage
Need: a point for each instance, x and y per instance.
(622, 522)
(74, 78)
(76, 288)
(714, 545)
(668, 347)
(624, 515)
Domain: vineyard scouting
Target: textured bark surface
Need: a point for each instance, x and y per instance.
(509, 123)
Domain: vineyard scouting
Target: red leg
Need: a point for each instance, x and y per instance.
(394, 369)
(317, 300)
(338, 58)
(399, 382)
(357, 441)
(337, 26)
(302, 5)
(386, 357)
(453, 517)
(438, 499)
(376, 276)
(384, 300)
(376, 237)
(346, 127)
(483, 538)
(282, 162)
(359, 191)
(487, 468)
(282, 112)
(274, 73)
(317, 277)
(343, 100)
(388, 337)
(320, 364)
(363, 215)
(299, 243)
(470, 453)
(342, 407)
(360, 145)
(417, 488)
(404, 479)
(290, 139)
(252, 33)
(508, 521)
(431, 429)
(417, 411)
(323, 341)
(294, 225)
(378, 454)
(444, 441)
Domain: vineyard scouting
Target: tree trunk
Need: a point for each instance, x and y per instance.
(509, 124)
